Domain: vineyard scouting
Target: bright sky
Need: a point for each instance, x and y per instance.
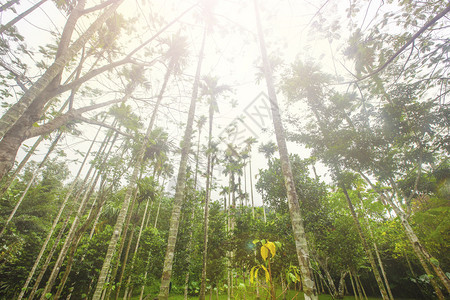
(232, 54)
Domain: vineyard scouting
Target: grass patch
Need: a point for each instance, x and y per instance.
(249, 293)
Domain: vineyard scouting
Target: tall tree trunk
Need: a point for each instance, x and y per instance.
(181, 183)
(69, 193)
(362, 236)
(358, 286)
(24, 193)
(191, 229)
(362, 287)
(377, 253)
(49, 257)
(207, 199)
(72, 231)
(420, 251)
(70, 239)
(133, 259)
(189, 255)
(113, 273)
(56, 220)
(20, 117)
(118, 227)
(294, 207)
(251, 187)
(150, 128)
(127, 251)
(9, 179)
(77, 239)
(340, 294)
(355, 293)
(206, 227)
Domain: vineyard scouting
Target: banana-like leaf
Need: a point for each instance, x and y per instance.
(252, 274)
(264, 252)
(271, 247)
(267, 273)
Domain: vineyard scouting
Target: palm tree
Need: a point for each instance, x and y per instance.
(200, 123)
(175, 56)
(294, 207)
(212, 90)
(268, 149)
(248, 148)
(181, 181)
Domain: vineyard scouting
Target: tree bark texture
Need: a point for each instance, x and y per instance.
(294, 207)
(181, 183)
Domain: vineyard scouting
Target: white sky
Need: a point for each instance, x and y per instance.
(232, 53)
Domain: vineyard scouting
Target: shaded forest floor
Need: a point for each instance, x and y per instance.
(250, 295)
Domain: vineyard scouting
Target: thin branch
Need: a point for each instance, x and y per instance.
(8, 5)
(70, 116)
(411, 40)
(17, 76)
(91, 74)
(407, 60)
(95, 122)
(317, 12)
(21, 16)
(97, 7)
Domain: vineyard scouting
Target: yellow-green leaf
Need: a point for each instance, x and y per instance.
(267, 273)
(264, 252)
(271, 247)
(251, 274)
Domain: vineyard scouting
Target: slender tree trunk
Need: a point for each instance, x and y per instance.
(77, 239)
(294, 208)
(8, 180)
(358, 286)
(112, 275)
(127, 251)
(207, 199)
(70, 239)
(369, 254)
(119, 224)
(49, 257)
(21, 16)
(181, 182)
(191, 229)
(197, 155)
(189, 246)
(341, 285)
(353, 286)
(251, 188)
(35, 173)
(137, 245)
(420, 251)
(361, 234)
(333, 290)
(56, 220)
(380, 262)
(362, 287)
(70, 236)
